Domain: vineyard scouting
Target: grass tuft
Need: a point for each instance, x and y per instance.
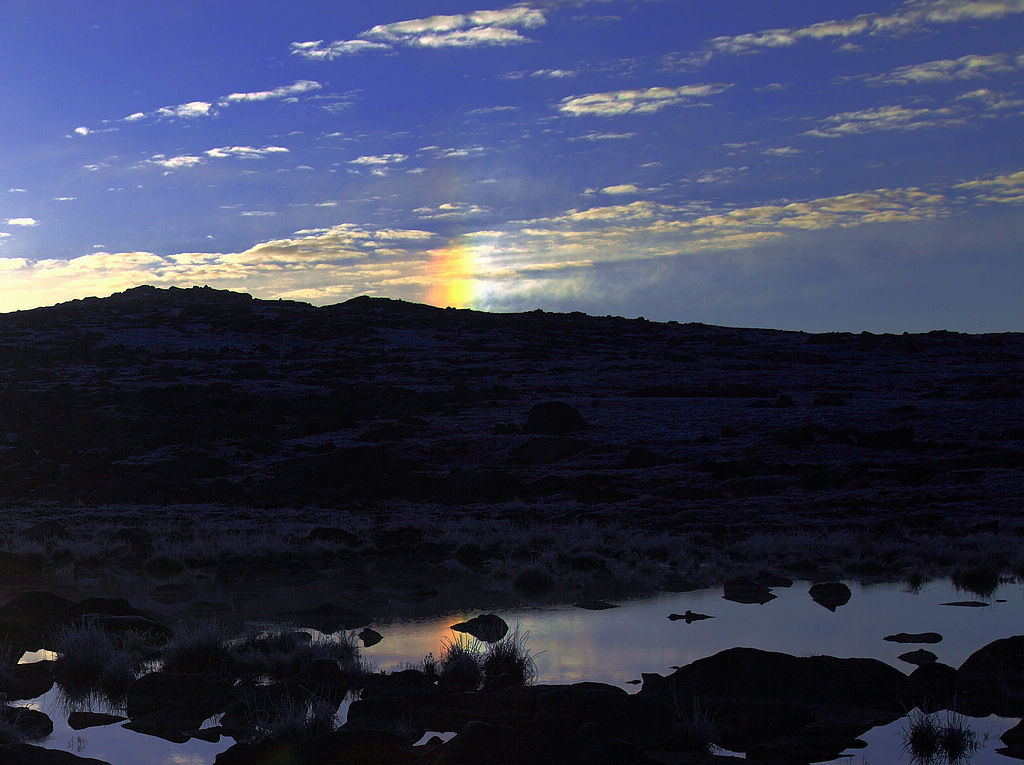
(199, 648)
(460, 662)
(510, 656)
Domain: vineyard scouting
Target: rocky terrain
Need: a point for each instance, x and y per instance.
(198, 441)
(716, 438)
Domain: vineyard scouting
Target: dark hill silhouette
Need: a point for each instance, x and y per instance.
(161, 396)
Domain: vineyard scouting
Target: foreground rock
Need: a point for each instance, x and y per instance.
(766, 702)
(26, 754)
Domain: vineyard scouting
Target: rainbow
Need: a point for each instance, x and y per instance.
(454, 275)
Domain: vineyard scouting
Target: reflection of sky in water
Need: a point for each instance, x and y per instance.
(617, 645)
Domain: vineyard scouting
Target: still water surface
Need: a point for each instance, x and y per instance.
(616, 645)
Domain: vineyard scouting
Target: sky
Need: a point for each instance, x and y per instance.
(811, 164)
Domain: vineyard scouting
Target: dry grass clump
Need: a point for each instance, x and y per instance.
(199, 648)
(295, 721)
(930, 740)
(460, 662)
(88, 658)
(510, 658)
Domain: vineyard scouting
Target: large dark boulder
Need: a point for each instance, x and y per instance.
(26, 754)
(160, 690)
(489, 628)
(480, 742)
(555, 418)
(991, 679)
(757, 696)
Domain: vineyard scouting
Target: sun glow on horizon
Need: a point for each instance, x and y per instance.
(454, 275)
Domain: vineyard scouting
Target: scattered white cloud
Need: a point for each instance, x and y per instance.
(64, 199)
(465, 30)
(82, 131)
(912, 16)
(285, 91)
(174, 163)
(1002, 189)
(17, 191)
(191, 110)
(27, 222)
(948, 70)
(647, 101)
(244, 152)
(782, 151)
(604, 137)
(257, 213)
(451, 210)
(379, 160)
(624, 188)
(884, 118)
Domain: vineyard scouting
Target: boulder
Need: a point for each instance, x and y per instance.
(918, 657)
(159, 690)
(30, 723)
(918, 637)
(747, 591)
(26, 754)
(992, 679)
(480, 742)
(83, 720)
(488, 628)
(831, 595)
(555, 418)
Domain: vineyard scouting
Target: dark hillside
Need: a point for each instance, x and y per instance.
(198, 396)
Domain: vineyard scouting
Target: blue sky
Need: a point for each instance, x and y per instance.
(813, 164)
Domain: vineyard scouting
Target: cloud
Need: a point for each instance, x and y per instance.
(648, 101)
(27, 222)
(948, 70)
(912, 16)
(604, 137)
(466, 30)
(450, 211)
(189, 111)
(244, 152)
(884, 118)
(285, 91)
(624, 188)
(82, 131)
(521, 260)
(782, 151)
(174, 163)
(1002, 189)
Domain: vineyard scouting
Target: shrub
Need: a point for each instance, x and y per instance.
(510, 656)
(84, 651)
(533, 581)
(932, 741)
(297, 721)
(200, 648)
(694, 729)
(460, 661)
(982, 581)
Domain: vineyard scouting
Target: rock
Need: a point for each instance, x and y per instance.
(554, 418)
(547, 449)
(480, 742)
(747, 591)
(169, 723)
(83, 720)
(919, 637)
(638, 458)
(34, 606)
(934, 683)
(831, 595)
(32, 680)
(172, 594)
(341, 747)
(159, 690)
(26, 754)
(370, 637)
(992, 678)
(759, 696)
(333, 535)
(41, 532)
(689, 617)
(30, 723)
(918, 657)
(594, 605)
(326, 618)
(488, 628)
